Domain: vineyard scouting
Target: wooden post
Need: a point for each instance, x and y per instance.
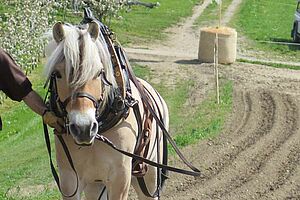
(220, 12)
(216, 71)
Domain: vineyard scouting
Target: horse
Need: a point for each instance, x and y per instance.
(79, 63)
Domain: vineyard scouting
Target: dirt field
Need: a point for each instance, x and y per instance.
(257, 156)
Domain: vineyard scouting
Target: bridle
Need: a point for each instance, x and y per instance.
(59, 107)
(76, 95)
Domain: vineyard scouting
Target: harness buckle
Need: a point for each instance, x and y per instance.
(130, 101)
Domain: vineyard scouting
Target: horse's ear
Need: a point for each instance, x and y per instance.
(93, 30)
(58, 32)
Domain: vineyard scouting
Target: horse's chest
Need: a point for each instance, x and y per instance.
(96, 164)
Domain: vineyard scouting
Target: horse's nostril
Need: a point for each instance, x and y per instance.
(94, 127)
(74, 129)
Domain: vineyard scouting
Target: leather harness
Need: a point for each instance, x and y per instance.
(118, 107)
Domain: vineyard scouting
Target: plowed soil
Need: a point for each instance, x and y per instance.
(257, 155)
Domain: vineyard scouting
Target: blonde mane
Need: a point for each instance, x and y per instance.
(83, 57)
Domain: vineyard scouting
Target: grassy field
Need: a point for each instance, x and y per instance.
(187, 130)
(142, 25)
(210, 16)
(23, 157)
(268, 20)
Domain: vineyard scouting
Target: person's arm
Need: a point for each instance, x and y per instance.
(15, 84)
(35, 102)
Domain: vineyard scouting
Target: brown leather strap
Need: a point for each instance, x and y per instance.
(0, 124)
(105, 140)
(145, 99)
(116, 65)
(69, 158)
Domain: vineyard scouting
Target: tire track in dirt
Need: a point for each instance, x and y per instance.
(236, 147)
(226, 156)
(215, 166)
(265, 159)
(287, 171)
(232, 176)
(259, 183)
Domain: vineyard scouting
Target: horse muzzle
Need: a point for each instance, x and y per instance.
(83, 128)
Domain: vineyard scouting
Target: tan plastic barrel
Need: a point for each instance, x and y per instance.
(227, 41)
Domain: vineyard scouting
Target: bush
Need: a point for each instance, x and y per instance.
(21, 32)
(104, 9)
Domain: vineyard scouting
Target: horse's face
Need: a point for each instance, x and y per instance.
(80, 100)
(81, 109)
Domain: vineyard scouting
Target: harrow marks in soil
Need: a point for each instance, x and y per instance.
(258, 154)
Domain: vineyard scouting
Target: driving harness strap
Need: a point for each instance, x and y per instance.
(105, 140)
(145, 99)
(0, 124)
(68, 155)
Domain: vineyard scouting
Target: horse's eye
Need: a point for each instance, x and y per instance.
(98, 74)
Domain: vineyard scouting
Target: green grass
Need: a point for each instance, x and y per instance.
(210, 16)
(276, 65)
(268, 20)
(206, 120)
(67, 16)
(142, 24)
(174, 97)
(23, 157)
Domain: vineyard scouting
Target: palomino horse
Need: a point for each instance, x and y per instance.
(79, 64)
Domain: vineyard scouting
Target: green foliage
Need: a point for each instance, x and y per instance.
(104, 9)
(22, 29)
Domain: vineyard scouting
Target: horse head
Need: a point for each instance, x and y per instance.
(79, 59)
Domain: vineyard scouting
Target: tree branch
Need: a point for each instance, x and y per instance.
(139, 3)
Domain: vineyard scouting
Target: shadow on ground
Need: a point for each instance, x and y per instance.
(293, 46)
(188, 62)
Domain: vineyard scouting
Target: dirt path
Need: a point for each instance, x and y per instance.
(257, 156)
(182, 40)
(230, 11)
